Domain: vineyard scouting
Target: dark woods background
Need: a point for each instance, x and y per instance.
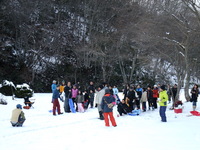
(117, 41)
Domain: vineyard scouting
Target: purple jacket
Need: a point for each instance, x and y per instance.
(74, 93)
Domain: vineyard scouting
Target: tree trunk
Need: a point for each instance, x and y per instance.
(133, 68)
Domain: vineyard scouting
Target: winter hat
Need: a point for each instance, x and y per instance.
(107, 91)
(19, 106)
(163, 87)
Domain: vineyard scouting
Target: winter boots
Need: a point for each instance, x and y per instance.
(101, 117)
(194, 108)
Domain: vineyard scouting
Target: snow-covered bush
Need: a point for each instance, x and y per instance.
(23, 90)
(7, 88)
(2, 100)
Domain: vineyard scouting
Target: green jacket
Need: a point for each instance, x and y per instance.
(163, 98)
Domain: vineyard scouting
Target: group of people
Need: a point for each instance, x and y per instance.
(135, 97)
(81, 99)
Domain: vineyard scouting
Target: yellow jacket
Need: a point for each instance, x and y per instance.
(62, 87)
(163, 98)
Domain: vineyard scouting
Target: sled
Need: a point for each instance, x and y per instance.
(71, 105)
(178, 110)
(134, 113)
(28, 102)
(26, 107)
(195, 113)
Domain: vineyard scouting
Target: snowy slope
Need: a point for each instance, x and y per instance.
(84, 131)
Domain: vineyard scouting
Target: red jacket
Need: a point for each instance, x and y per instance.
(155, 93)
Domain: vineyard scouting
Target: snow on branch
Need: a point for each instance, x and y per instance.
(182, 54)
(176, 42)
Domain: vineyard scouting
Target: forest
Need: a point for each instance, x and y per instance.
(142, 42)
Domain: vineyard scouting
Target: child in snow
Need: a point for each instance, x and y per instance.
(107, 99)
(74, 94)
(86, 100)
(91, 98)
(56, 104)
(62, 87)
(115, 92)
(80, 100)
(163, 98)
(18, 116)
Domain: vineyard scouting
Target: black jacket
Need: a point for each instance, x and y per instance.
(195, 93)
(149, 95)
(131, 95)
(123, 108)
(68, 93)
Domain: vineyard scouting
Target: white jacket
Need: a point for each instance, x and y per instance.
(99, 96)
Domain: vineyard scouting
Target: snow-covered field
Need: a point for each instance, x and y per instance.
(83, 131)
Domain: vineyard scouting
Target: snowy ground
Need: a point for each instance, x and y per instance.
(84, 131)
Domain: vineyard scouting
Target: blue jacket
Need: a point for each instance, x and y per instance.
(53, 87)
(107, 99)
(115, 91)
(56, 95)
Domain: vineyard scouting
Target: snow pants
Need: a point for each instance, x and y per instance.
(144, 107)
(74, 101)
(80, 107)
(162, 113)
(66, 105)
(56, 105)
(155, 102)
(19, 123)
(112, 119)
(121, 111)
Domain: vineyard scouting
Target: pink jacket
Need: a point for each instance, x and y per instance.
(74, 93)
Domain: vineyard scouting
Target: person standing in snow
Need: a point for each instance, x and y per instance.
(53, 86)
(139, 96)
(80, 100)
(56, 104)
(86, 100)
(107, 99)
(144, 99)
(150, 97)
(91, 98)
(174, 93)
(91, 87)
(163, 98)
(194, 96)
(115, 92)
(68, 95)
(18, 117)
(62, 86)
(132, 97)
(99, 96)
(126, 90)
(155, 96)
(169, 92)
(74, 95)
